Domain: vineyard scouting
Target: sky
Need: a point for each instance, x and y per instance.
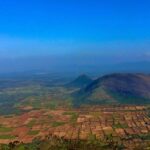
(74, 31)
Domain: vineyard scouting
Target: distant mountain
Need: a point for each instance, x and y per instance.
(116, 88)
(80, 82)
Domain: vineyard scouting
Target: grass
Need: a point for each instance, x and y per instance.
(57, 124)
(51, 105)
(31, 123)
(8, 116)
(33, 132)
(50, 116)
(5, 129)
(95, 114)
(69, 113)
(7, 136)
(91, 137)
(74, 118)
(145, 136)
(118, 125)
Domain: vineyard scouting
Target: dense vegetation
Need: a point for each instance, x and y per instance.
(55, 143)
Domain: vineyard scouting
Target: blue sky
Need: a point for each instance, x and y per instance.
(86, 28)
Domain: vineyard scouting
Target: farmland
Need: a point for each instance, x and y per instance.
(127, 125)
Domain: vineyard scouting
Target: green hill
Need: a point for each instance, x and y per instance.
(116, 88)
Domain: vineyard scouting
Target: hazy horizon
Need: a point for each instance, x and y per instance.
(52, 36)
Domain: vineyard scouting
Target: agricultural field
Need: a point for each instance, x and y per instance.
(42, 111)
(126, 125)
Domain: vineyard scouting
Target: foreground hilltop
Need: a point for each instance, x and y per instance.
(116, 88)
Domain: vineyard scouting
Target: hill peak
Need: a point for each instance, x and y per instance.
(117, 88)
(80, 82)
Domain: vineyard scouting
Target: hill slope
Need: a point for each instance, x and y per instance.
(80, 82)
(116, 88)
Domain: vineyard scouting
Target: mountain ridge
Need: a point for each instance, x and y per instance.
(81, 81)
(116, 88)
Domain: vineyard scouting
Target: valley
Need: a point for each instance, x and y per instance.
(74, 110)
